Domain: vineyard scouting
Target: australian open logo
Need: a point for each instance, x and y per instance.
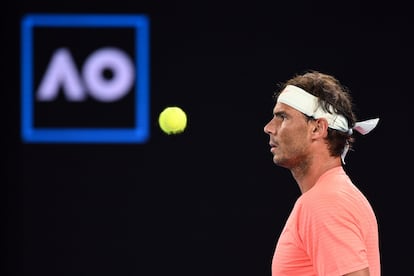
(85, 78)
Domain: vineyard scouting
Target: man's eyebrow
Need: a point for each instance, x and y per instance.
(278, 113)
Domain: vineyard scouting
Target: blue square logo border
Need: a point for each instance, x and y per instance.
(137, 134)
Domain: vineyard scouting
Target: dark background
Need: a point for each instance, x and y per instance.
(209, 201)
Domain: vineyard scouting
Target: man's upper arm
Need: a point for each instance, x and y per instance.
(362, 272)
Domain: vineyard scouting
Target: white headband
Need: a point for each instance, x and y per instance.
(308, 104)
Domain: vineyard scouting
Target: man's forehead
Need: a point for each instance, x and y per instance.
(282, 107)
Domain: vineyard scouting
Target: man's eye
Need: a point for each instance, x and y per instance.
(280, 116)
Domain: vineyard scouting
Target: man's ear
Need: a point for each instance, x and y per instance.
(321, 127)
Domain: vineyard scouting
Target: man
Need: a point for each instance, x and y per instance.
(332, 229)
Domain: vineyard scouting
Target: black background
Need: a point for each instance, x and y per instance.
(209, 201)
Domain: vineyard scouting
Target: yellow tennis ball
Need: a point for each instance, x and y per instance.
(172, 120)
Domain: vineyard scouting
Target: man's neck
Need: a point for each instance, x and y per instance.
(307, 176)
